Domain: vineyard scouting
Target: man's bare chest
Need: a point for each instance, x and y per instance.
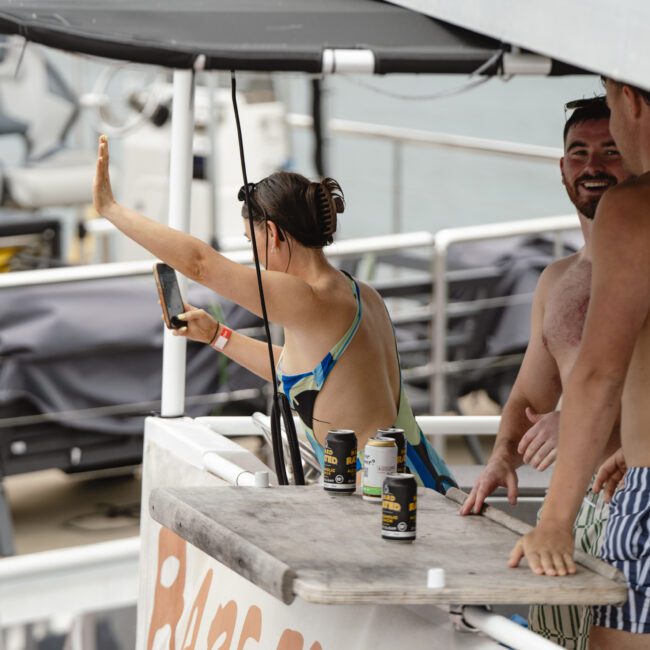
(566, 309)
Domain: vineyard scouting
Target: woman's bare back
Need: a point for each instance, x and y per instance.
(362, 391)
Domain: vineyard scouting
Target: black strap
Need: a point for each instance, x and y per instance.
(281, 410)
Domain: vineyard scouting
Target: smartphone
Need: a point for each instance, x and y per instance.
(170, 295)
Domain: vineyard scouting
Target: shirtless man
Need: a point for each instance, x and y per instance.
(591, 164)
(611, 369)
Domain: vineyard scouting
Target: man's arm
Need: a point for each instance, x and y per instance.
(619, 305)
(537, 386)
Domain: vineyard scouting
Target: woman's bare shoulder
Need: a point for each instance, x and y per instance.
(370, 295)
(374, 305)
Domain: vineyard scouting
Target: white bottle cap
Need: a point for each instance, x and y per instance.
(435, 578)
(262, 479)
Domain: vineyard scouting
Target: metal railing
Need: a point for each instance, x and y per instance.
(43, 585)
(399, 137)
(438, 310)
(504, 630)
(103, 576)
(444, 239)
(342, 249)
(23, 279)
(442, 425)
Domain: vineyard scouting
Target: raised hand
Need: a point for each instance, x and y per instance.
(103, 198)
(538, 447)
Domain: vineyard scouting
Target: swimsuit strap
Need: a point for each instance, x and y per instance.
(302, 389)
(323, 369)
(346, 339)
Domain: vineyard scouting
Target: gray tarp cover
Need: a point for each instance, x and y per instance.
(248, 34)
(98, 343)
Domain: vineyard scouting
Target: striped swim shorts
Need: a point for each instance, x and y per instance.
(627, 547)
(568, 625)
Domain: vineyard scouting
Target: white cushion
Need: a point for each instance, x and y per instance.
(64, 178)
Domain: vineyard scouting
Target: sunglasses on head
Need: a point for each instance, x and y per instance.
(241, 196)
(577, 104)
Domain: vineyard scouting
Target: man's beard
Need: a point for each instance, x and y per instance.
(586, 205)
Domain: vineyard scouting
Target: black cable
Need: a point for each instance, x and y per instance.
(317, 115)
(276, 442)
(292, 439)
(281, 406)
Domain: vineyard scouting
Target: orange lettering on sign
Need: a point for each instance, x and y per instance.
(223, 623)
(169, 606)
(168, 602)
(290, 640)
(252, 628)
(196, 613)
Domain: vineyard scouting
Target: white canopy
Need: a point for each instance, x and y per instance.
(610, 38)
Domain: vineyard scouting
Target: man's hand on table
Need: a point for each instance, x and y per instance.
(499, 472)
(538, 447)
(548, 549)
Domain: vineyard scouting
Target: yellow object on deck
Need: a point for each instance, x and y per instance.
(6, 255)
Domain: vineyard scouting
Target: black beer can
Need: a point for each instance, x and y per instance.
(399, 507)
(400, 440)
(340, 466)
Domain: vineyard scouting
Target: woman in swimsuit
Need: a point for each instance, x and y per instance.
(339, 365)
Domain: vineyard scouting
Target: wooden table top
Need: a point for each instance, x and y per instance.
(328, 549)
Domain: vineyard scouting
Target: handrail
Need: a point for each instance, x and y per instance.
(431, 138)
(399, 137)
(74, 273)
(504, 630)
(129, 408)
(438, 244)
(381, 243)
(92, 577)
(446, 238)
(444, 425)
(232, 473)
(344, 248)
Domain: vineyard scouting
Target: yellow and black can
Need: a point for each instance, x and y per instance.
(340, 462)
(399, 507)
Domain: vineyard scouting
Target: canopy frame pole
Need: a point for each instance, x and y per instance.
(350, 61)
(180, 187)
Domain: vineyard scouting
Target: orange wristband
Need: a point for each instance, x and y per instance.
(222, 339)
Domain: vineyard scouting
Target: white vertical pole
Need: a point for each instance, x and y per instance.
(439, 338)
(180, 185)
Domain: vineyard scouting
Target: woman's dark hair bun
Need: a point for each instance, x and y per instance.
(301, 208)
(336, 193)
(330, 203)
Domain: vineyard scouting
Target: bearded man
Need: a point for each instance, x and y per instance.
(528, 432)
